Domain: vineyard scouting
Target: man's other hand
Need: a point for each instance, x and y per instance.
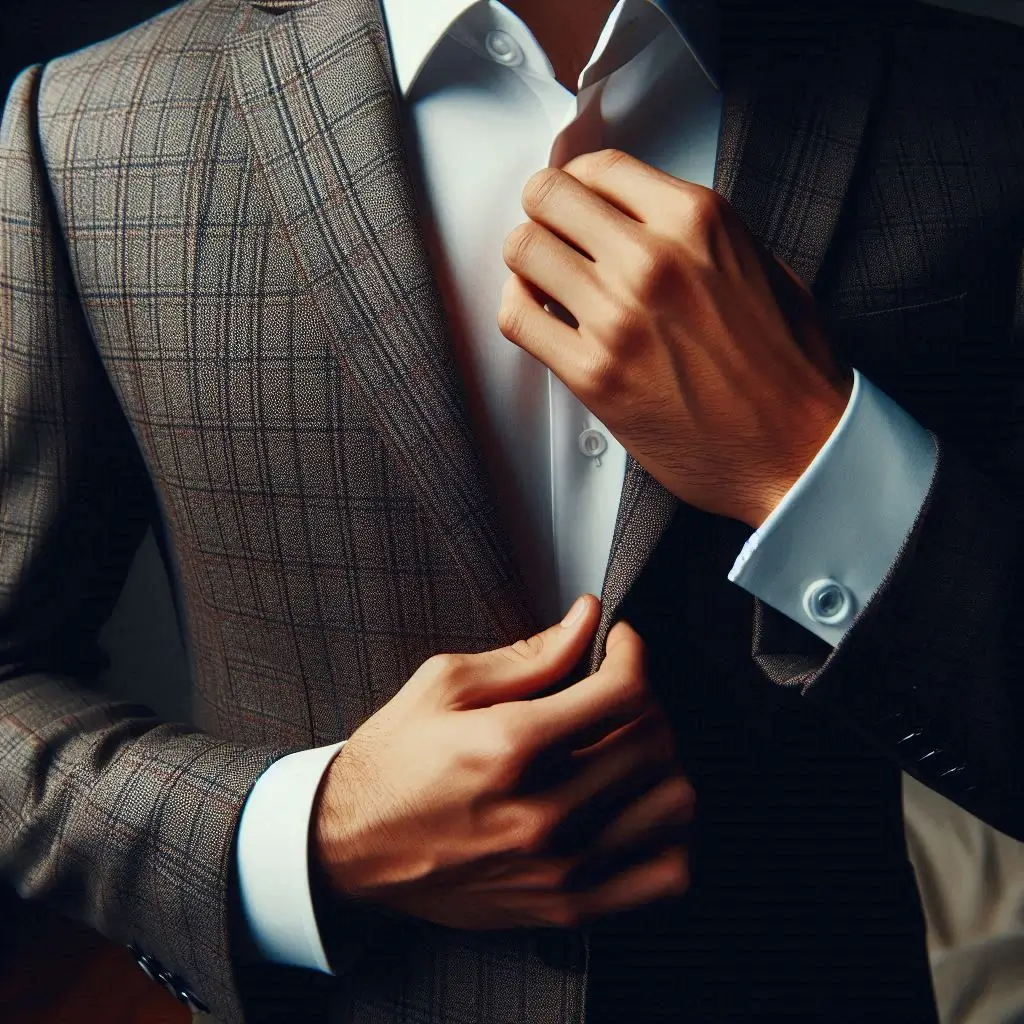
(472, 801)
(700, 352)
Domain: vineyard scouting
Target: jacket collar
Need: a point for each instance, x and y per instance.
(415, 29)
(314, 90)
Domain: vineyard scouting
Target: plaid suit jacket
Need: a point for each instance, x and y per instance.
(217, 314)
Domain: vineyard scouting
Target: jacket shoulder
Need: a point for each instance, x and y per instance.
(166, 59)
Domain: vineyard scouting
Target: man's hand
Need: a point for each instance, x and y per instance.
(433, 807)
(698, 350)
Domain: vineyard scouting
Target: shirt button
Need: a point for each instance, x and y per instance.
(828, 602)
(593, 443)
(503, 48)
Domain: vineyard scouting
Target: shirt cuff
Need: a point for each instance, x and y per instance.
(827, 545)
(273, 860)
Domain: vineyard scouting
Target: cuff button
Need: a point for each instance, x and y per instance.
(828, 602)
(149, 964)
(192, 1001)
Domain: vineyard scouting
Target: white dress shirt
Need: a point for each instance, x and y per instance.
(484, 112)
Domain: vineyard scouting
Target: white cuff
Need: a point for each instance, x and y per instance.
(273, 860)
(825, 548)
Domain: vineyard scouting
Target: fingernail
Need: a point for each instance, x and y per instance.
(573, 614)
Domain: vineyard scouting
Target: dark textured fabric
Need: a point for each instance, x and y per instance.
(216, 307)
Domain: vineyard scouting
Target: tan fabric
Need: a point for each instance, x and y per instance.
(972, 887)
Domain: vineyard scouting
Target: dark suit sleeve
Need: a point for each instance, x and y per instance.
(118, 819)
(932, 669)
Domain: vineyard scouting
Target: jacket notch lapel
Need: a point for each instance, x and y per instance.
(314, 88)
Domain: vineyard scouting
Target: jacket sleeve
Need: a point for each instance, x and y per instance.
(931, 671)
(111, 816)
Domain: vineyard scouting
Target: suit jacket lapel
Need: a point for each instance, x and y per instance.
(314, 88)
(793, 121)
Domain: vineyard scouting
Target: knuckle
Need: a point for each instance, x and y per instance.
(564, 872)
(683, 797)
(636, 690)
(636, 642)
(600, 376)
(655, 270)
(677, 870)
(493, 752)
(519, 243)
(447, 668)
(593, 165)
(619, 323)
(524, 650)
(565, 914)
(534, 829)
(703, 208)
(510, 319)
(539, 187)
(502, 738)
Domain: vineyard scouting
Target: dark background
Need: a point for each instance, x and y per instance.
(36, 30)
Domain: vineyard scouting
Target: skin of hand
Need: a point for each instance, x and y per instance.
(433, 807)
(700, 351)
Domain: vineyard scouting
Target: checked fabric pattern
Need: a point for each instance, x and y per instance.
(217, 315)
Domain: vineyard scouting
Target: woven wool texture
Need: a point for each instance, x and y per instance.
(217, 315)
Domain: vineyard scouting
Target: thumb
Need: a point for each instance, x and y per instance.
(528, 667)
(625, 653)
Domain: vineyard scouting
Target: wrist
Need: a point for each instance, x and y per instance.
(324, 828)
(347, 920)
(338, 840)
(806, 442)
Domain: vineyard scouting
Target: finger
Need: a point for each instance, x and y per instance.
(652, 723)
(629, 185)
(624, 651)
(582, 713)
(666, 807)
(666, 874)
(539, 256)
(523, 320)
(561, 202)
(523, 668)
(598, 786)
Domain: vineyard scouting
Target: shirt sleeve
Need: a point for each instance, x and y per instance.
(825, 548)
(273, 864)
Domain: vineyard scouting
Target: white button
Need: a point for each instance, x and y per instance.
(593, 443)
(828, 602)
(503, 48)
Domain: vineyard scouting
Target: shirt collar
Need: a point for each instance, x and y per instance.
(416, 27)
